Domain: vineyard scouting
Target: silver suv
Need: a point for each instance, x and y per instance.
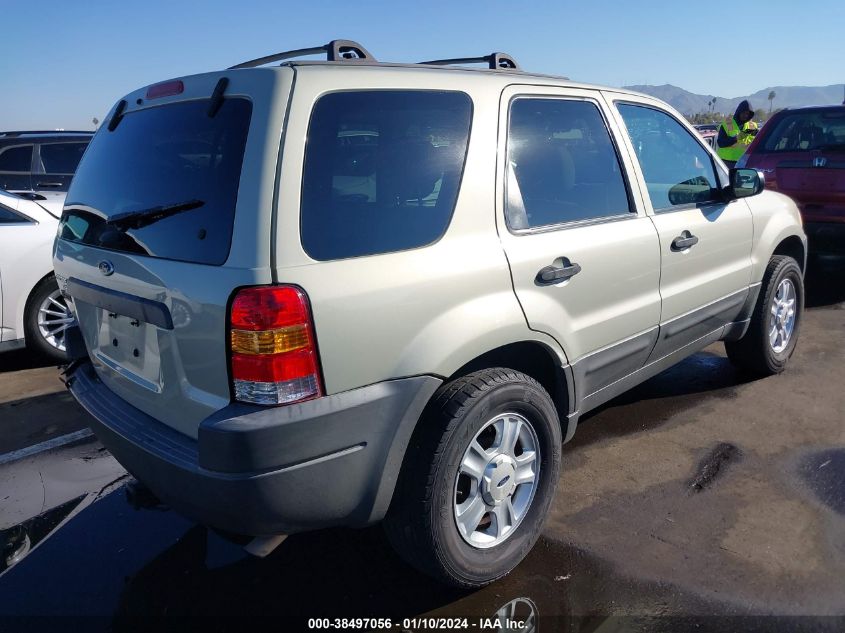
(336, 292)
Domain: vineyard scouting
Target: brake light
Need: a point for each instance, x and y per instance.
(165, 89)
(274, 355)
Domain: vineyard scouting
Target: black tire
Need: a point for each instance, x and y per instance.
(421, 523)
(754, 353)
(35, 341)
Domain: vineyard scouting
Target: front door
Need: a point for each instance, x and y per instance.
(584, 258)
(705, 242)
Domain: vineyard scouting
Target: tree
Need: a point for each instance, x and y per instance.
(772, 96)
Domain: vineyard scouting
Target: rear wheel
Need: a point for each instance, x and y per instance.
(773, 332)
(478, 479)
(47, 319)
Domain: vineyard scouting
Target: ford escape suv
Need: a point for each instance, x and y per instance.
(335, 292)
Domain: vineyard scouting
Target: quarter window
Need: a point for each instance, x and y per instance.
(676, 168)
(562, 164)
(382, 170)
(7, 216)
(16, 159)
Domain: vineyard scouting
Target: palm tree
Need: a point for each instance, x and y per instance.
(772, 96)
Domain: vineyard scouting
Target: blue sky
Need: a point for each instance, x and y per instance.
(64, 62)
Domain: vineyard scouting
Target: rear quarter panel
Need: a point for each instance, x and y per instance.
(26, 259)
(428, 310)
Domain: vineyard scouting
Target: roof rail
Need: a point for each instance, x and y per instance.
(52, 132)
(495, 61)
(336, 51)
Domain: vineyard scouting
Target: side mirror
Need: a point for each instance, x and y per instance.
(746, 182)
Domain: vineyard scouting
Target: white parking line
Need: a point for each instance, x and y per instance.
(56, 442)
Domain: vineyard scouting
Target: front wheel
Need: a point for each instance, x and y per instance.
(478, 479)
(773, 332)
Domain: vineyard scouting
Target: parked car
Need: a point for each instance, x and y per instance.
(40, 164)
(32, 312)
(291, 327)
(708, 131)
(801, 152)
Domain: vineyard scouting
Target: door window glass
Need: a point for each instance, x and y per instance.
(61, 158)
(16, 159)
(676, 168)
(562, 164)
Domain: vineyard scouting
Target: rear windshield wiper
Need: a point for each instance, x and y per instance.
(832, 147)
(144, 217)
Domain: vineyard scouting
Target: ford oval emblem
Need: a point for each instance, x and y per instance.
(106, 267)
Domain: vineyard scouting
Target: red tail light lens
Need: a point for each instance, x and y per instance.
(274, 356)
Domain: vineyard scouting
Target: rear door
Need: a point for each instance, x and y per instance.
(16, 167)
(584, 258)
(168, 213)
(705, 242)
(55, 164)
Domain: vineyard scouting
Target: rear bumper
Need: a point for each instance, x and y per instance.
(825, 237)
(258, 471)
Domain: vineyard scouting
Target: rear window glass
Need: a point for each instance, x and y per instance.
(164, 183)
(16, 158)
(61, 158)
(382, 170)
(819, 130)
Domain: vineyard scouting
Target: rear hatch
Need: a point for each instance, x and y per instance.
(802, 155)
(169, 212)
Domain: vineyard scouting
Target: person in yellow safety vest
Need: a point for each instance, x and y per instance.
(736, 134)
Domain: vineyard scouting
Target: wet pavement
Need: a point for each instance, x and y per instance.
(700, 500)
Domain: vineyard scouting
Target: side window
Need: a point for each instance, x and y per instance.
(7, 216)
(61, 158)
(676, 168)
(17, 159)
(382, 170)
(562, 164)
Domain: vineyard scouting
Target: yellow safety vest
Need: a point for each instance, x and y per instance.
(743, 140)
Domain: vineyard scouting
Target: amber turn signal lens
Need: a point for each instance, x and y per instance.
(284, 339)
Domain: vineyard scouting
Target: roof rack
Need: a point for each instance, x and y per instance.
(35, 132)
(495, 61)
(336, 51)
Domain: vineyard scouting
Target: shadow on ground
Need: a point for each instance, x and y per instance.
(19, 359)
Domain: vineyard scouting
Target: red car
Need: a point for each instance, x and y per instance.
(802, 154)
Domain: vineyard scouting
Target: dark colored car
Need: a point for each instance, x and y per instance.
(40, 163)
(802, 154)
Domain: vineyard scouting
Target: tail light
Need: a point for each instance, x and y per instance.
(274, 355)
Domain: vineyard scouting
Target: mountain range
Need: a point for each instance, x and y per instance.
(785, 97)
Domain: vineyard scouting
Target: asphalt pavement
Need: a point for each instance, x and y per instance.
(700, 499)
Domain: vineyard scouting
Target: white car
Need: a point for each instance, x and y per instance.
(32, 312)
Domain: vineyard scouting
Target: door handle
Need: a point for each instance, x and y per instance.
(48, 184)
(683, 241)
(556, 274)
